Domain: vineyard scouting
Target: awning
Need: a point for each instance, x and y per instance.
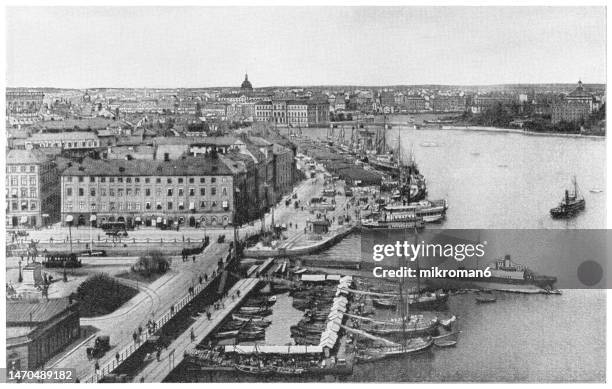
(69, 218)
(191, 205)
(24, 203)
(24, 219)
(93, 218)
(159, 219)
(137, 219)
(45, 215)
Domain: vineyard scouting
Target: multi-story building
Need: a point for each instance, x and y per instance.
(193, 191)
(414, 103)
(297, 113)
(387, 101)
(570, 111)
(449, 104)
(577, 105)
(483, 103)
(64, 140)
(32, 189)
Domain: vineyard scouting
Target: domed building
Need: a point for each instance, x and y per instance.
(246, 86)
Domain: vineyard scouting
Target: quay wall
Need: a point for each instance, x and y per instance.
(311, 249)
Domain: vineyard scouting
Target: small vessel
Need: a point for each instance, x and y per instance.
(484, 298)
(411, 346)
(445, 343)
(596, 190)
(571, 204)
(227, 334)
(257, 311)
(256, 320)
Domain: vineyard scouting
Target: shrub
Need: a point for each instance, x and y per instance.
(101, 294)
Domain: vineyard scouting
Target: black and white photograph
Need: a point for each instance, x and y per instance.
(295, 193)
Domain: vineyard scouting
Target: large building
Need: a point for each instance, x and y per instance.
(32, 189)
(414, 103)
(576, 106)
(283, 112)
(192, 191)
(449, 104)
(36, 331)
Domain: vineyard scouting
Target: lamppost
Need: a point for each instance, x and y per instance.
(69, 220)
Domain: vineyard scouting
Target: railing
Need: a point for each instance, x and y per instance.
(173, 311)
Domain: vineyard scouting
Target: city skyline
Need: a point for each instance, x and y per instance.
(169, 47)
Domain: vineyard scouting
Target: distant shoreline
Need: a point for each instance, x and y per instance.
(518, 131)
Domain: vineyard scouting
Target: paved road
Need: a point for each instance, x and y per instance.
(152, 302)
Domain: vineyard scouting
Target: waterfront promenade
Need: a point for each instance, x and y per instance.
(156, 371)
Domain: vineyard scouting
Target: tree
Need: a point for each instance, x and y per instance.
(154, 262)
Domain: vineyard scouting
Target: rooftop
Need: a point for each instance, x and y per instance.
(189, 166)
(26, 157)
(34, 312)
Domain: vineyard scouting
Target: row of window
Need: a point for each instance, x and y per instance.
(14, 180)
(24, 192)
(22, 168)
(23, 205)
(136, 192)
(133, 206)
(147, 180)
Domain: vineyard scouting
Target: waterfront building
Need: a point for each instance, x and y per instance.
(570, 111)
(414, 103)
(576, 106)
(307, 112)
(191, 190)
(32, 189)
(449, 104)
(36, 331)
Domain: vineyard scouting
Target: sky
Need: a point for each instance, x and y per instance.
(80, 47)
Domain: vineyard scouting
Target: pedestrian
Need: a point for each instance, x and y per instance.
(158, 355)
(135, 336)
(194, 258)
(139, 330)
(192, 335)
(117, 357)
(97, 366)
(142, 379)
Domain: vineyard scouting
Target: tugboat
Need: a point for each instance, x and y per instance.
(570, 205)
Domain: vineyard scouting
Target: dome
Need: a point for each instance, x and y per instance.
(246, 84)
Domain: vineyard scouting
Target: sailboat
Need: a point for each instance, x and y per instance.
(571, 204)
(407, 345)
